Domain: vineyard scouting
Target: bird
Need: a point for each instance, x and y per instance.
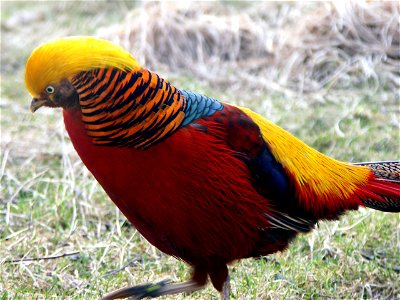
(207, 182)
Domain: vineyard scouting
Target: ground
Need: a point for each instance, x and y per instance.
(52, 208)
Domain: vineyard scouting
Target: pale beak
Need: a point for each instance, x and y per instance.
(38, 103)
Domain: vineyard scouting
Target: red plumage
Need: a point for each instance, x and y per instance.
(187, 196)
(203, 181)
(193, 196)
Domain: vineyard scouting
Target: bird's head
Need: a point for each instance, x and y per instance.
(51, 67)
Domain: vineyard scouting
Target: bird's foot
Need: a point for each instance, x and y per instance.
(153, 290)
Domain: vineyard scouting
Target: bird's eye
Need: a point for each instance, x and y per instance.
(50, 89)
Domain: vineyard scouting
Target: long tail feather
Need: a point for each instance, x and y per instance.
(389, 170)
(383, 192)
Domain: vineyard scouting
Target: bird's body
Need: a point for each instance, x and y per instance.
(206, 158)
(202, 180)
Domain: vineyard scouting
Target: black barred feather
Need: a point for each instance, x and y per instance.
(391, 205)
(387, 172)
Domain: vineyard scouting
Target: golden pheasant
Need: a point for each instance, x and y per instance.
(202, 180)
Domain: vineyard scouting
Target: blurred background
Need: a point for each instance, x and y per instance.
(327, 72)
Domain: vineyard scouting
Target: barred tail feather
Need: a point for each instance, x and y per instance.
(383, 192)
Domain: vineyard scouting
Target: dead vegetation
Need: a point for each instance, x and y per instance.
(296, 46)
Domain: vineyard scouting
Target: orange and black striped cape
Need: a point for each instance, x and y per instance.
(136, 109)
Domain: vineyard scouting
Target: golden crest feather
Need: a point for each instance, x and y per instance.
(64, 57)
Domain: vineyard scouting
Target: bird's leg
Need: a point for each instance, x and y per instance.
(226, 289)
(153, 290)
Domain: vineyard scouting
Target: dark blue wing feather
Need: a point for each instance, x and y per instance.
(269, 176)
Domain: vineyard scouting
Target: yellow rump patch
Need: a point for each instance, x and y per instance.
(64, 57)
(318, 178)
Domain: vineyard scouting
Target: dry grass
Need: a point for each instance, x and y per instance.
(303, 47)
(334, 85)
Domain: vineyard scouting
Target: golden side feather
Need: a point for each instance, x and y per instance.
(64, 57)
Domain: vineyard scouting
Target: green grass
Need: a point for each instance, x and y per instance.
(50, 204)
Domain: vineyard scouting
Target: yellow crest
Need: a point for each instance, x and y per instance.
(64, 57)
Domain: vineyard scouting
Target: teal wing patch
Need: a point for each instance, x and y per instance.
(199, 106)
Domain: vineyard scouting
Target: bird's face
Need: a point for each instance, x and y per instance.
(61, 94)
(51, 67)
